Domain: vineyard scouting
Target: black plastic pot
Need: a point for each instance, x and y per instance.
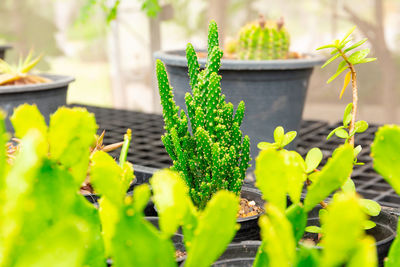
(384, 232)
(239, 255)
(47, 96)
(3, 49)
(274, 91)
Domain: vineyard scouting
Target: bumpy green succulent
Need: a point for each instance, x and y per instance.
(214, 155)
(263, 40)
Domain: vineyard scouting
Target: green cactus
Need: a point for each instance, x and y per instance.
(263, 40)
(214, 155)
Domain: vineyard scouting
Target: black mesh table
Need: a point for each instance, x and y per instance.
(147, 152)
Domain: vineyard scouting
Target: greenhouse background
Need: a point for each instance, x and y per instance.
(113, 64)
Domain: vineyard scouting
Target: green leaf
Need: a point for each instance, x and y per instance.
(313, 159)
(27, 117)
(357, 150)
(266, 145)
(67, 238)
(369, 225)
(71, 134)
(357, 56)
(385, 152)
(349, 186)
(348, 34)
(288, 138)
(326, 46)
(366, 60)
(338, 72)
(313, 229)
(3, 157)
(278, 239)
(360, 126)
(105, 176)
(307, 257)
(138, 243)
(278, 135)
(151, 8)
(330, 60)
(298, 218)
(393, 258)
(370, 207)
(347, 114)
(333, 132)
(355, 45)
(365, 254)
(331, 177)
(342, 133)
(342, 228)
(283, 171)
(171, 197)
(216, 228)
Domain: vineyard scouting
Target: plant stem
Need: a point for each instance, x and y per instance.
(355, 95)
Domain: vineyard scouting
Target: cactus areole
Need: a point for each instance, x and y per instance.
(214, 155)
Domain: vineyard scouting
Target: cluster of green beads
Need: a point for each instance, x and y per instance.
(263, 40)
(215, 156)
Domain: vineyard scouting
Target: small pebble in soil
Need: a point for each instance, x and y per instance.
(179, 254)
(248, 208)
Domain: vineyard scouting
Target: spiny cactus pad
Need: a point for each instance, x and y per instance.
(263, 40)
(214, 155)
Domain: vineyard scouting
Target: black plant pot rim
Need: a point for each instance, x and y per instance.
(388, 239)
(57, 81)
(5, 47)
(178, 58)
(254, 191)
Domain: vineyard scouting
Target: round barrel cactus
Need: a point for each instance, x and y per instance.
(263, 40)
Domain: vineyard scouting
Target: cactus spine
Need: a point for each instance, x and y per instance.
(263, 40)
(215, 156)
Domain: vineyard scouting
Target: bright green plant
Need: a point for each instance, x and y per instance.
(213, 155)
(110, 8)
(44, 218)
(344, 241)
(263, 40)
(133, 241)
(344, 50)
(385, 151)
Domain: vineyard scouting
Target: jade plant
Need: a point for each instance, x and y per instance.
(19, 74)
(385, 151)
(213, 155)
(287, 172)
(263, 40)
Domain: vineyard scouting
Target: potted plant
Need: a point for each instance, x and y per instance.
(281, 174)
(3, 49)
(262, 74)
(18, 86)
(345, 242)
(42, 183)
(207, 147)
(31, 112)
